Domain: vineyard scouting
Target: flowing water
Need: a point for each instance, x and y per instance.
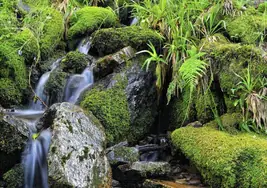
(34, 157)
(40, 88)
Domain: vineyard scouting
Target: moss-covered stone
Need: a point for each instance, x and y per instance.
(55, 85)
(33, 4)
(8, 21)
(111, 108)
(88, 19)
(74, 62)
(48, 26)
(222, 159)
(230, 122)
(248, 28)
(107, 41)
(14, 177)
(12, 66)
(228, 59)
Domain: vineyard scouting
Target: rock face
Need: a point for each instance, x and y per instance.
(13, 136)
(124, 102)
(76, 156)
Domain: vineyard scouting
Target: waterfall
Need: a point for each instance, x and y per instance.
(134, 21)
(84, 46)
(34, 156)
(77, 84)
(34, 161)
(40, 87)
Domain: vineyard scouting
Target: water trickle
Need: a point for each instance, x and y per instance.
(134, 21)
(34, 160)
(40, 87)
(84, 46)
(77, 84)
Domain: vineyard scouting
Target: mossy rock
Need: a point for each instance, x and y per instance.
(74, 62)
(248, 28)
(88, 19)
(222, 159)
(49, 25)
(111, 108)
(14, 51)
(229, 59)
(14, 177)
(55, 85)
(107, 41)
(124, 102)
(8, 21)
(33, 4)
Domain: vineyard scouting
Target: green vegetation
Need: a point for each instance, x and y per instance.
(222, 159)
(88, 19)
(107, 41)
(111, 108)
(74, 62)
(14, 177)
(47, 25)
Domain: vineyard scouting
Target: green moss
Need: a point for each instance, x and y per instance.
(12, 65)
(8, 22)
(107, 41)
(262, 7)
(55, 85)
(111, 108)
(88, 19)
(230, 58)
(74, 62)
(230, 122)
(14, 177)
(28, 44)
(248, 28)
(65, 158)
(9, 92)
(33, 4)
(47, 24)
(222, 159)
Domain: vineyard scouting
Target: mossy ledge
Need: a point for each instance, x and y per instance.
(88, 19)
(108, 41)
(222, 159)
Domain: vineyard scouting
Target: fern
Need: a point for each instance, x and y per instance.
(190, 73)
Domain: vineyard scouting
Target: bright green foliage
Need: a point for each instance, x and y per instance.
(88, 19)
(262, 7)
(27, 44)
(8, 22)
(12, 67)
(248, 28)
(33, 4)
(74, 62)
(9, 92)
(47, 25)
(107, 41)
(222, 159)
(111, 108)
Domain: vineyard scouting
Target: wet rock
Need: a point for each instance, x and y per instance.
(116, 184)
(76, 157)
(125, 102)
(122, 155)
(13, 136)
(14, 177)
(107, 64)
(139, 171)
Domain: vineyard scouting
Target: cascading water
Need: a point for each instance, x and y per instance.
(34, 161)
(36, 151)
(77, 84)
(40, 87)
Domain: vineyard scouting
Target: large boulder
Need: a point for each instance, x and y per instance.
(124, 102)
(13, 137)
(76, 157)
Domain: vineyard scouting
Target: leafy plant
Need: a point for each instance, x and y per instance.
(251, 92)
(160, 65)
